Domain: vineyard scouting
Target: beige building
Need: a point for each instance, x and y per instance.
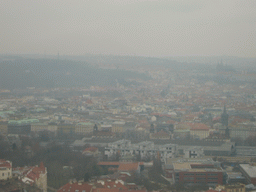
(66, 129)
(231, 188)
(118, 126)
(53, 128)
(36, 127)
(199, 132)
(5, 169)
(41, 181)
(3, 127)
(84, 128)
(36, 175)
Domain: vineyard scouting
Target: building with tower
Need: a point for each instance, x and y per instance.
(224, 117)
(224, 121)
(152, 128)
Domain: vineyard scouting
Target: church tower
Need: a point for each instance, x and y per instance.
(227, 132)
(224, 117)
(152, 128)
(95, 129)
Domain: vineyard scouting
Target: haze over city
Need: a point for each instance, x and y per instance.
(127, 96)
(128, 27)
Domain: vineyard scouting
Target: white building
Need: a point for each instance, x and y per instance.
(5, 169)
(194, 152)
(145, 149)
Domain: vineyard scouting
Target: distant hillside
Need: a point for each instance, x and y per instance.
(22, 73)
(229, 60)
(125, 60)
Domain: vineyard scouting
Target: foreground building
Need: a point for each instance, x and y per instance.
(36, 175)
(249, 171)
(103, 185)
(195, 171)
(5, 169)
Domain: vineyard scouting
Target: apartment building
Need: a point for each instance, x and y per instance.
(5, 169)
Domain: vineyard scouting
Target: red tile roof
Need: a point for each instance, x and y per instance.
(5, 163)
(91, 149)
(199, 126)
(105, 190)
(111, 183)
(35, 172)
(72, 187)
(128, 167)
(161, 133)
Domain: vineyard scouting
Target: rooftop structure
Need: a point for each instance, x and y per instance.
(194, 171)
(249, 171)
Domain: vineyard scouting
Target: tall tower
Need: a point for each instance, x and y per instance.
(224, 117)
(152, 128)
(95, 129)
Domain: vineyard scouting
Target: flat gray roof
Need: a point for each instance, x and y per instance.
(250, 170)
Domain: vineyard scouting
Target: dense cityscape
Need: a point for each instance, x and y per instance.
(165, 128)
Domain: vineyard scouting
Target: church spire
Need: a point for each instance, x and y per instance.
(224, 117)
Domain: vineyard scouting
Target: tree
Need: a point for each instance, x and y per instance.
(14, 146)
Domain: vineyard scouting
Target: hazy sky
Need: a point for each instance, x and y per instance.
(129, 27)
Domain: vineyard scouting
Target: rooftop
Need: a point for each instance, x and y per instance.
(250, 170)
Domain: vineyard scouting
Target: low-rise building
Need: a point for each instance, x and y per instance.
(145, 149)
(197, 173)
(231, 188)
(36, 175)
(194, 152)
(19, 127)
(53, 127)
(5, 169)
(36, 127)
(200, 131)
(194, 171)
(91, 151)
(118, 126)
(84, 128)
(162, 135)
(66, 129)
(3, 127)
(249, 171)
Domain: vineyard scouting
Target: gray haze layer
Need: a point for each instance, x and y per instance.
(128, 27)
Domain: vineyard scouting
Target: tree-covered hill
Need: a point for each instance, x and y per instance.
(22, 73)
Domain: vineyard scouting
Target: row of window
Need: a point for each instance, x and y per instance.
(200, 174)
(8, 174)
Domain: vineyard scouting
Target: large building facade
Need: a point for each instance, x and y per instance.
(145, 149)
(84, 128)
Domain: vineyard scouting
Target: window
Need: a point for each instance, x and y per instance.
(189, 174)
(213, 178)
(201, 174)
(188, 178)
(202, 178)
(212, 174)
